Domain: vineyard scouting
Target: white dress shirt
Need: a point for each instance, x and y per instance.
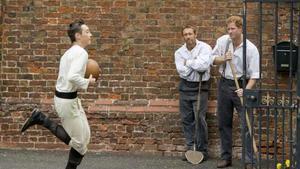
(72, 69)
(197, 60)
(252, 58)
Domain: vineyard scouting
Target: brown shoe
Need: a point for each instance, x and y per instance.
(223, 163)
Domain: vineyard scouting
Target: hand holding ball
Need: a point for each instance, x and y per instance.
(92, 68)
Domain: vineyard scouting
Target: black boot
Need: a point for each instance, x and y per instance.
(75, 159)
(37, 117)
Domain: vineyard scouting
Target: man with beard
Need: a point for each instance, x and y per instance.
(192, 61)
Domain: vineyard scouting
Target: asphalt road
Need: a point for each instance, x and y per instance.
(28, 159)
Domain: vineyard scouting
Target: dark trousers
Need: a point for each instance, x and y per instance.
(227, 101)
(188, 105)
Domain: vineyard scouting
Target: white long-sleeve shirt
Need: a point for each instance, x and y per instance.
(252, 58)
(72, 69)
(197, 60)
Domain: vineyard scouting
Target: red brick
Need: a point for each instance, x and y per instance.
(163, 103)
(120, 4)
(66, 9)
(167, 10)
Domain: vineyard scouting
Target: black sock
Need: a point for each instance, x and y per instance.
(71, 166)
(57, 130)
(74, 159)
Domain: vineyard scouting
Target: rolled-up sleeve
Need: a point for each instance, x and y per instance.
(217, 51)
(253, 67)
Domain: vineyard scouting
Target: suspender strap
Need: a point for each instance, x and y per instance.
(226, 49)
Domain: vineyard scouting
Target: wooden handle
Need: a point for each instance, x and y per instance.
(241, 99)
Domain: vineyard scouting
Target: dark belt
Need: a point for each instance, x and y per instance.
(232, 82)
(193, 84)
(64, 95)
(187, 86)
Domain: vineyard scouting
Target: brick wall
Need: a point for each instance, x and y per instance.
(135, 105)
(1, 35)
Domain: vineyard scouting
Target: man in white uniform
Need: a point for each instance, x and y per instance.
(229, 48)
(193, 59)
(75, 130)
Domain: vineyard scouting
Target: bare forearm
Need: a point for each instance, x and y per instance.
(251, 84)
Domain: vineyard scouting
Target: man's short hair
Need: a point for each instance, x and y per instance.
(238, 21)
(75, 27)
(189, 26)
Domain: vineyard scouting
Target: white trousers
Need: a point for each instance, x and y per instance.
(74, 121)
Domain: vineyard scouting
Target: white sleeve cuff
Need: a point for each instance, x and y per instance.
(212, 60)
(86, 84)
(255, 75)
